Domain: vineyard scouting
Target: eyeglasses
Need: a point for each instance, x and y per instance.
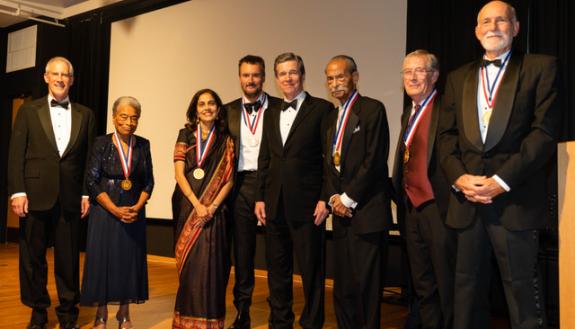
(419, 72)
(59, 74)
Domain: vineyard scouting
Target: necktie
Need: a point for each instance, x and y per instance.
(496, 62)
(292, 104)
(55, 103)
(252, 107)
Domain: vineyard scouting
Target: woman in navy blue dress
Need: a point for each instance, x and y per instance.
(120, 181)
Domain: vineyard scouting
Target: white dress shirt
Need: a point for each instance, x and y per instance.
(483, 107)
(344, 198)
(61, 124)
(250, 143)
(287, 117)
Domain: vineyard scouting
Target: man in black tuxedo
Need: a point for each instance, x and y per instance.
(422, 192)
(498, 129)
(245, 123)
(357, 140)
(289, 199)
(50, 140)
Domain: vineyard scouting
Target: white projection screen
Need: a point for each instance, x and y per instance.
(163, 57)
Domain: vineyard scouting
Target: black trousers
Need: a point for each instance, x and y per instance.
(516, 255)
(431, 248)
(37, 231)
(307, 240)
(244, 223)
(358, 276)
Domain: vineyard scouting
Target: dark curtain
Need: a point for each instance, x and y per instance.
(89, 39)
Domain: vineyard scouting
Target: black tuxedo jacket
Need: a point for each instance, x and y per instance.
(35, 166)
(293, 171)
(520, 140)
(363, 174)
(438, 181)
(234, 113)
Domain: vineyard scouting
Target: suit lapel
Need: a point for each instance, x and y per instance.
(305, 108)
(433, 128)
(469, 107)
(74, 129)
(503, 103)
(276, 126)
(398, 161)
(329, 141)
(352, 124)
(46, 122)
(235, 117)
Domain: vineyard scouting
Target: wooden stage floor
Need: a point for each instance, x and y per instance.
(157, 312)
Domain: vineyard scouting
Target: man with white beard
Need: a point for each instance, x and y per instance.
(498, 129)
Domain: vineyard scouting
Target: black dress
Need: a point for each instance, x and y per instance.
(115, 268)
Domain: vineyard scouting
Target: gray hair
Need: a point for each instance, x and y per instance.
(286, 57)
(350, 66)
(61, 59)
(430, 59)
(127, 100)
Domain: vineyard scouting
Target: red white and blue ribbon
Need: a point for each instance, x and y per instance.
(338, 137)
(126, 160)
(416, 118)
(203, 148)
(253, 125)
(493, 88)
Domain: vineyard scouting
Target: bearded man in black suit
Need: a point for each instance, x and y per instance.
(290, 200)
(357, 140)
(498, 130)
(245, 124)
(50, 140)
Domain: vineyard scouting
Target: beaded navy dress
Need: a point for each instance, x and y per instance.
(115, 267)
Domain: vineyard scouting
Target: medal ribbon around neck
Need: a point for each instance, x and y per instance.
(253, 125)
(416, 118)
(202, 149)
(338, 137)
(126, 160)
(492, 88)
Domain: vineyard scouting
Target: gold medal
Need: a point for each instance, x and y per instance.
(126, 184)
(336, 159)
(406, 155)
(487, 117)
(198, 173)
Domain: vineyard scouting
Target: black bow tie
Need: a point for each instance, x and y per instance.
(55, 103)
(252, 107)
(496, 62)
(292, 104)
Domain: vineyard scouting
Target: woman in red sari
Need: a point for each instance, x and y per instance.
(203, 160)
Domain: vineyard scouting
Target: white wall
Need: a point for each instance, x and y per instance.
(163, 57)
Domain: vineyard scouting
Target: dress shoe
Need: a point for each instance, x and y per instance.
(35, 326)
(242, 321)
